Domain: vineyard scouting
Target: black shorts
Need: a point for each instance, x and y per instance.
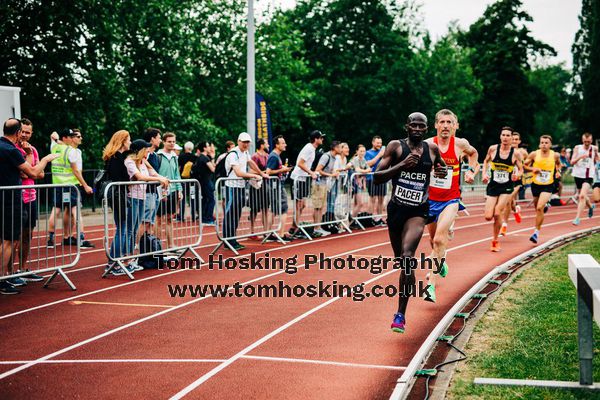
(398, 215)
(12, 219)
(168, 205)
(536, 189)
(259, 199)
(596, 185)
(497, 190)
(379, 189)
(30, 220)
(580, 181)
(300, 188)
(282, 207)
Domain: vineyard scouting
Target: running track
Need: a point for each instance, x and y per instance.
(115, 338)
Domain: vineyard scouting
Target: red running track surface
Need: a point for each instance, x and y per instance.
(113, 338)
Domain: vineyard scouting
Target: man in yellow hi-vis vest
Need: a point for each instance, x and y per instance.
(67, 169)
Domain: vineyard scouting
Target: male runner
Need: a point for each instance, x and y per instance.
(408, 163)
(545, 165)
(513, 206)
(502, 160)
(444, 193)
(583, 160)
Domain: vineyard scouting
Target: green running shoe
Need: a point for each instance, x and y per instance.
(444, 270)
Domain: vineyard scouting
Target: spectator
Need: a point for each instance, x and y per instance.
(114, 155)
(325, 187)
(186, 161)
(152, 136)
(342, 165)
(276, 167)
(177, 149)
(229, 145)
(259, 202)
(12, 214)
(67, 170)
(376, 192)
(359, 182)
(30, 203)
(169, 168)
(301, 172)
(236, 166)
(204, 171)
(138, 169)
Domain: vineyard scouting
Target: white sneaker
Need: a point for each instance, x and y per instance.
(134, 265)
(323, 232)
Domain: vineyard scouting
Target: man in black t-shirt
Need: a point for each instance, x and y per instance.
(12, 164)
(276, 167)
(204, 171)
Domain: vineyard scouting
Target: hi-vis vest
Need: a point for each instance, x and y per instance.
(62, 173)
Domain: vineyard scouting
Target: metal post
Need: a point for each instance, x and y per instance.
(585, 340)
(250, 83)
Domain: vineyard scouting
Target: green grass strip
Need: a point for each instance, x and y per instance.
(530, 332)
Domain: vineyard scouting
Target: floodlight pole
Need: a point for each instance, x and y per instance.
(250, 79)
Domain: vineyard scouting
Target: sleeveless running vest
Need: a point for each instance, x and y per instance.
(448, 188)
(546, 165)
(584, 168)
(502, 169)
(410, 187)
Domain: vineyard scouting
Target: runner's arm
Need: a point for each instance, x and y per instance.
(528, 161)
(472, 154)
(384, 173)
(439, 165)
(557, 165)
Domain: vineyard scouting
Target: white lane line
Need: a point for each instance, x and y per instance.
(186, 390)
(117, 361)
(323, 362)
(152, 316)
(269, 250)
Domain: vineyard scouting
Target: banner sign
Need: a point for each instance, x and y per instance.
(263, 121)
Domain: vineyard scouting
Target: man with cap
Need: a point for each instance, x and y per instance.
(236, 166)
(408, 163)
(301, 172)
(67, 170)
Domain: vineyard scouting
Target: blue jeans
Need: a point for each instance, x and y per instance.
(234, 203)
(117, 247)
(135, 213)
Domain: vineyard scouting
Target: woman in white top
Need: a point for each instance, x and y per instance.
(139, 169)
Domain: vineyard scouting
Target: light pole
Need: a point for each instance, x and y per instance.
(250, 82)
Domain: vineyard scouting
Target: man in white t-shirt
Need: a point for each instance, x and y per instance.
(300, 182)
(236, 167)
(583, 159)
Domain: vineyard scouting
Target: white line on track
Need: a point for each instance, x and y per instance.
(321, 362)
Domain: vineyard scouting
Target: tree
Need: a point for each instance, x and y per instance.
(501, 52)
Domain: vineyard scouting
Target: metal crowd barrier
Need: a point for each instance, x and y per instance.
(247, 208)
(369, 201)
(140, 212)
(27, 247)
(321, 203)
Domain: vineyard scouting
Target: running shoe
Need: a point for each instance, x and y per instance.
(534, 237)
(7, 289)
(86, 245)
(576, 221)
(135, 266)
(399, 323)
(430, 293)
(517, 214)
(495, 246)
(32, 278)
(444, 270)
(238, 246)
(591, 211)
(503, 229)
(16, 282)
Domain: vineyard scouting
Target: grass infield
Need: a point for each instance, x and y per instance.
(530, 332)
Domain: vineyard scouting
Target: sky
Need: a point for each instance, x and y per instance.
(554, 21)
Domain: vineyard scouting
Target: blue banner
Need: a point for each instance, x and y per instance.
(263, 120)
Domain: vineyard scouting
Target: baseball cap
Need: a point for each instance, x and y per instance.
(139, 144)
(316, 135)
(67, 133)
(177, 147)
(244, 137)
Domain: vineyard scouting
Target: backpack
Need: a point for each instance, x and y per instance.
(186, 173)
(100, 182)
(220, 171)
(318, 154)
(149, 244)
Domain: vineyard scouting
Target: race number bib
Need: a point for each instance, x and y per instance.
(442, 183)
(585, 163)
(408, 196)
(501, 176)
(544, 176)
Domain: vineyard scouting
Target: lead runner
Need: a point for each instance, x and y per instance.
(408, 163)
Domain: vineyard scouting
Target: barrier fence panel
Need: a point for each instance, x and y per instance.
(140, 224)
(247, 208)
(368, 200)
(32, 243)
(321, 205)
